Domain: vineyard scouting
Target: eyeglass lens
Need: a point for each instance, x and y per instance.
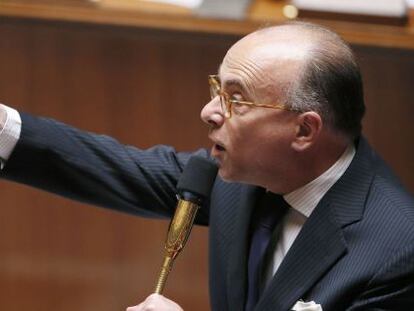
(215, 91)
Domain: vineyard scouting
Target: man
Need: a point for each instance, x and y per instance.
(285, 118)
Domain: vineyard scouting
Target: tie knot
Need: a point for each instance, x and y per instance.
(269, 210)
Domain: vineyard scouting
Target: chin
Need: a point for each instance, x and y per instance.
(226, 175)
(230, 176)
(223, 176)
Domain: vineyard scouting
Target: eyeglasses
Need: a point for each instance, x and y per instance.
(226, 102)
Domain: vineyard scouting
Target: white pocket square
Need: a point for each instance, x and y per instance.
(306, 306)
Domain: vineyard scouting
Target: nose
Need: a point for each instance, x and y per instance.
(212, 113)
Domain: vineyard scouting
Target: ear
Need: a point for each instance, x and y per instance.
(308, 128)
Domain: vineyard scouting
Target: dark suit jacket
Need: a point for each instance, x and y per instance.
(355, 252)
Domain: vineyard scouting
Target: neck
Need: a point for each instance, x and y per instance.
(307, 166)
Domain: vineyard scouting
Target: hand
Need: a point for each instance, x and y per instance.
(156, 302)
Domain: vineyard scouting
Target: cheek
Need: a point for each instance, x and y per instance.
(241, 143)
(236, 160)
(246, 150)
(268, 144)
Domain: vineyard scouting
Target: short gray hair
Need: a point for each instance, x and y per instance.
(330, 82)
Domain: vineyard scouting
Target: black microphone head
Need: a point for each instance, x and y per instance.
(198, 177)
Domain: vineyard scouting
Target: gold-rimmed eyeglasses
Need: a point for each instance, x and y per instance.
(226, 102)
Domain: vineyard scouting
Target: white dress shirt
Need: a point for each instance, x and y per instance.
(303, 201)
(9, 133)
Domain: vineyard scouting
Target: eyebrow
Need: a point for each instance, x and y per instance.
(232, 82)
(235, 83)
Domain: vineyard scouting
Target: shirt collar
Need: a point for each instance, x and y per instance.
(306, 198)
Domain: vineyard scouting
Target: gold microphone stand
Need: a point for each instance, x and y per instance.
(178, 232)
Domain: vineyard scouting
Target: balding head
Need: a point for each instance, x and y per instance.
(311, 68)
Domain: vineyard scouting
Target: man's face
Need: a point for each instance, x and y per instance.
(254, 145)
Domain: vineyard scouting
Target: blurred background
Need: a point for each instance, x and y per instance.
(137, 70)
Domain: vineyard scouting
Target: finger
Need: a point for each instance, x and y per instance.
(135, 308)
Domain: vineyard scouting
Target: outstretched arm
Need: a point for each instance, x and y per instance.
(96, 169)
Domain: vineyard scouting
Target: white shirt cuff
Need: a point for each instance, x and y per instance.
(10, 133)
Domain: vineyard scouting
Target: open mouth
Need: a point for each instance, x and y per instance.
(219, 147)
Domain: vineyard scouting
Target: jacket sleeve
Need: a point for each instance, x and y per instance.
(97, 169)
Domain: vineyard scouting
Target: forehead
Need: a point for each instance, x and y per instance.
(257, 63)
(278, 43)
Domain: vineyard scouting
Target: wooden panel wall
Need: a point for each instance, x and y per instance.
(144, 87)
(388, 76)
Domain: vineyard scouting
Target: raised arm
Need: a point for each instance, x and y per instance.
(96, 169)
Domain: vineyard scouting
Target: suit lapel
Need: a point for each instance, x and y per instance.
(321, 242)
(237, 265)
(319, 245)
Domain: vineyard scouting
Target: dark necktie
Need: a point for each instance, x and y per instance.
(269, 211)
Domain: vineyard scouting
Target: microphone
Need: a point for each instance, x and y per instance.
(194, 187)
